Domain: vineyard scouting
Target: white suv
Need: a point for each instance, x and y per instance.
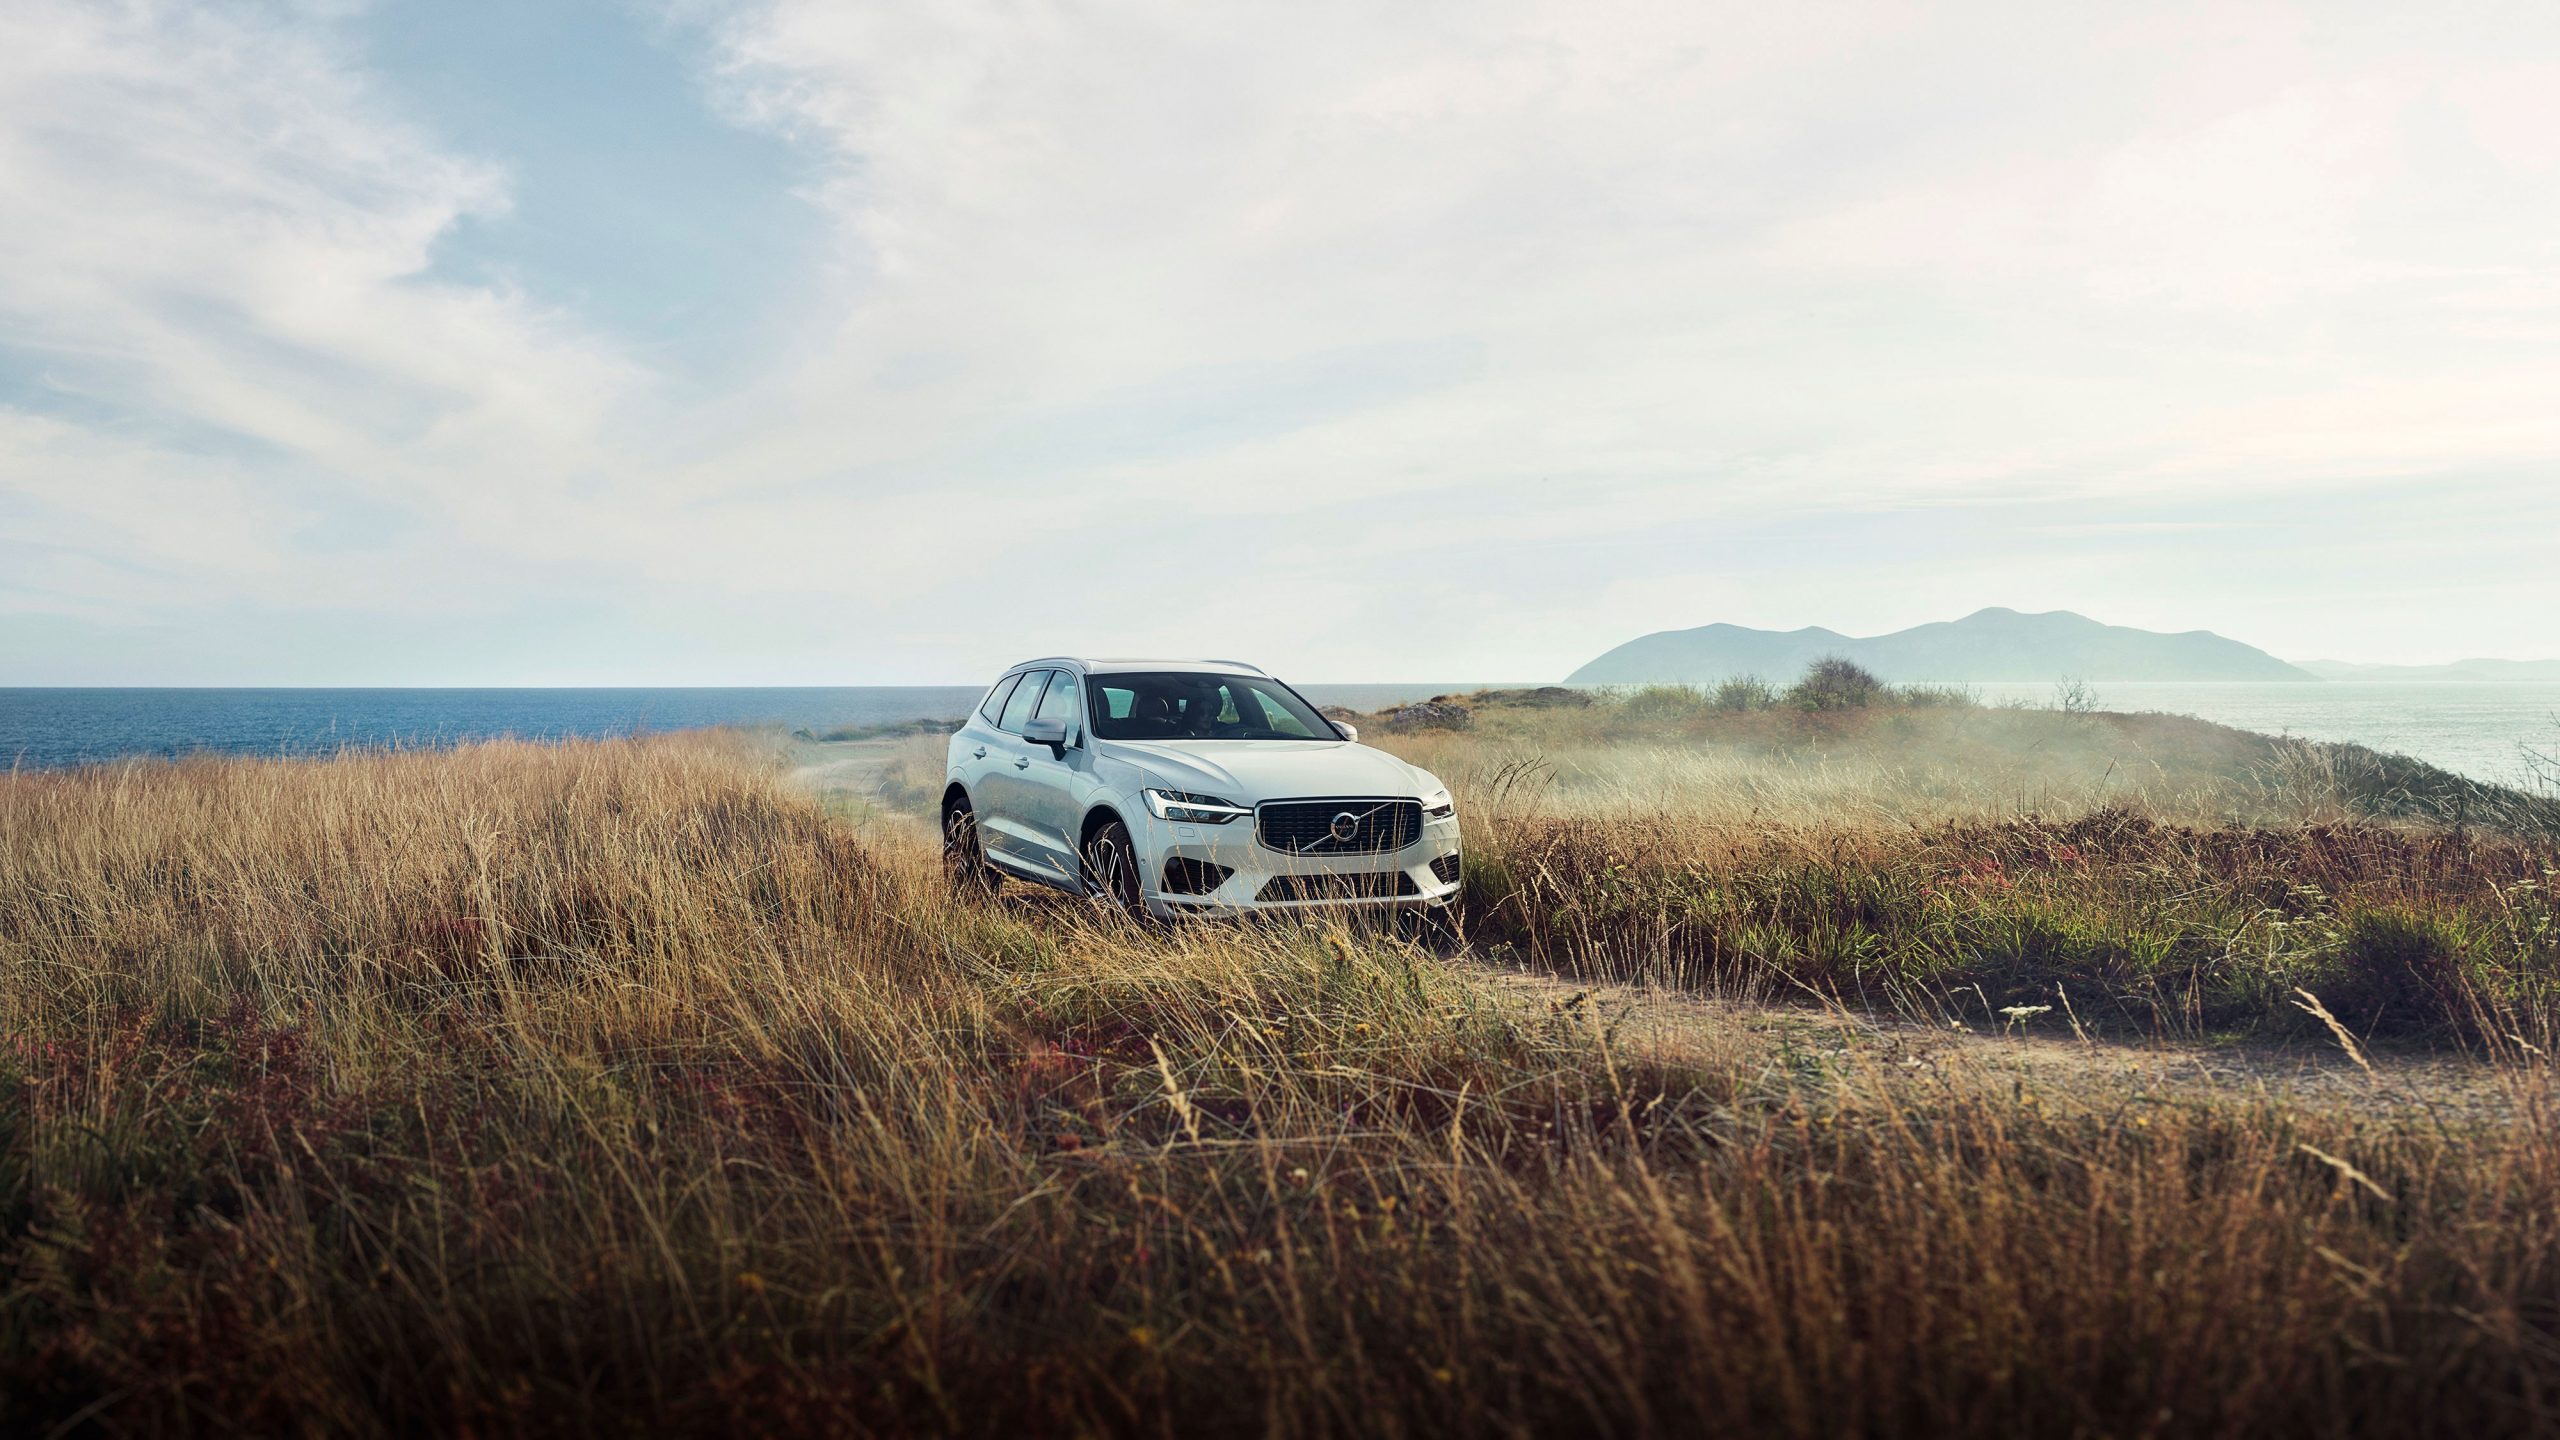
(1174, 787)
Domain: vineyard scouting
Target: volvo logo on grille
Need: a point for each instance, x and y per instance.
(1344, 827)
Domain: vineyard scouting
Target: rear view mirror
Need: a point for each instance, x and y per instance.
(1349, 731)
(1050, 731)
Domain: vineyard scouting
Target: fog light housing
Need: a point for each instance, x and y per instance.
(1186, 876)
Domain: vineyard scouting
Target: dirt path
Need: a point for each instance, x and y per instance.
(836, 769)
(847, 776)
(2427, 1087)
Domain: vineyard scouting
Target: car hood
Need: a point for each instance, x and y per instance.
(1246, 771)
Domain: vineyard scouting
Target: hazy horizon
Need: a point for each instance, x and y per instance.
(773, 342)
(1412, 680)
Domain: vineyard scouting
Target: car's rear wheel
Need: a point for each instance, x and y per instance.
(964, 857)
(1111, 869)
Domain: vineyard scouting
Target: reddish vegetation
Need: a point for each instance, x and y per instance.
(2413, 932)
(587, 1088)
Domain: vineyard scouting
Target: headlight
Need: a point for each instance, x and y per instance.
(1193, 809)
(1438, 805)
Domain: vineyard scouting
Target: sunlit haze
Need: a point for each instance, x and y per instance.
(464, 341)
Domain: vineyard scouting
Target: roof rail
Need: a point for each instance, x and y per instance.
(1092, 660)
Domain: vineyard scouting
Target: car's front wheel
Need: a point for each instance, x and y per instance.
(964, 857)
(1111, 869)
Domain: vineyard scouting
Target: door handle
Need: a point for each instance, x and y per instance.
(1024, 763)
(982, 752)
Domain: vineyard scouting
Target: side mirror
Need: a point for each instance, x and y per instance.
(1349, 731)
(1050, 731)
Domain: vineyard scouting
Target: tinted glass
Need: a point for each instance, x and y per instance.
(1064, 701)
(1017, 707)
(1186, 705)
(1267, 712)
(995, 698)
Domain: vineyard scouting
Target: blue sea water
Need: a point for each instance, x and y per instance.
(53, 728)
(2481, 729)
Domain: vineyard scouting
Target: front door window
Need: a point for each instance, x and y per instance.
(1064, 700)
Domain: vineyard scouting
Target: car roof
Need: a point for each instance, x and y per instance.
(1106, 667)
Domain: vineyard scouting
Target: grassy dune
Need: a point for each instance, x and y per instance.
(533, 1089)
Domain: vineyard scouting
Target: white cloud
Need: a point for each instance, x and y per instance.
(1464, 307)
(212, 224)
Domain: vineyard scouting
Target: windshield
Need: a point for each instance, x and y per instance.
(1187, 705)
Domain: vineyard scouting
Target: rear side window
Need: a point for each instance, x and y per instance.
(994, 705)
(1017, 706)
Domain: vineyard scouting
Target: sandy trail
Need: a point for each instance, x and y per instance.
(2402, 1086)
(842, 769)
(848, 777)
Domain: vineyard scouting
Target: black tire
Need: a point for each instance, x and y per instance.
(964, 857)
(1111, 870)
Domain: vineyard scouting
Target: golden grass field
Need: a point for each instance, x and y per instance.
(632, 1086)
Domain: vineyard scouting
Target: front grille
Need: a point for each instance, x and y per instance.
(1186, 876)
(1306, 827)
(1383, 885)
(1445, 869)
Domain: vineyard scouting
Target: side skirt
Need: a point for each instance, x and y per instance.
(1018, 871)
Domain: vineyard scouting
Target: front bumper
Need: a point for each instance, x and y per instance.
(1261, 880)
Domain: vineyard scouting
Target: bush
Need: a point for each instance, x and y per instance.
(1544, 697)
(1744, 692)
(1835, 683)
(2400, 973)
(840, 733)
(1662, 704)
(1438, 714)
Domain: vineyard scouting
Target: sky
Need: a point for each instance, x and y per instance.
(784, 342)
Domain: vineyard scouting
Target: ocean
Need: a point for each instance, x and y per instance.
(2478, 729)
(57, 727)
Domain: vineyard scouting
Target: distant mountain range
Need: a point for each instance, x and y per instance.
(1995, 644)
(2457, 670)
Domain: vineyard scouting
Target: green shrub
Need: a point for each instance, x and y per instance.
(1744, 692)
(1543, 697)
(1656, 704)
(2399, 973)
(1834, 683)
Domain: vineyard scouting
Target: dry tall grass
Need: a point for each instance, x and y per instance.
(1954, 861)
(538, 1089)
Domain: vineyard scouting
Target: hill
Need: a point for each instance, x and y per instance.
(1994, 644)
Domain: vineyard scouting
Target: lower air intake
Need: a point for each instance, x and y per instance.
(1384, 885)
(1186, 876)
